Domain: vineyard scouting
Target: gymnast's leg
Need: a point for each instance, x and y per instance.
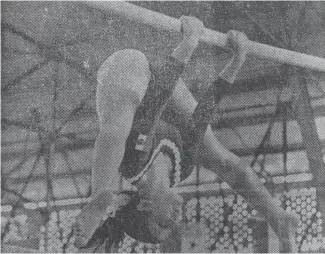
(232, 170)
(122, 80)
(124, 104)
(218, 159)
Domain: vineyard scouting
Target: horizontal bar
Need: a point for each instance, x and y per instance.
(164, 22)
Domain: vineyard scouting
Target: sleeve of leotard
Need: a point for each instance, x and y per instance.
(197, 124)
(160, 88)
(166, 75)
(209, 101)
(203, 112)
(139, 143)
(163, 81)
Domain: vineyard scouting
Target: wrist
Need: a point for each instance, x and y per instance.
(185, 49)
(239, 56)
(230, 72)
(229, 77)
(191, 40)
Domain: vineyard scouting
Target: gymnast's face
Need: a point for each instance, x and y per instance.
(166, 204)
(166, 208)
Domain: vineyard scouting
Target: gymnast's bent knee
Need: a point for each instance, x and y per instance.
(122, 82)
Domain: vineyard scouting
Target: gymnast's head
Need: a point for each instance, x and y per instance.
(165, 205)
(122, 79)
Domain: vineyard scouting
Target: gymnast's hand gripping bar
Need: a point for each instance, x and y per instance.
(164, 22)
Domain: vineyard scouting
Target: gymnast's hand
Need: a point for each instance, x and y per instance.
(192, 28)
(237, 42)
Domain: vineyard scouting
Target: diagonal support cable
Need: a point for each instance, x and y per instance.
(246, 145)
(75, 112)
(66, 158)
(23, 35)
(15, 205)
(33, 125)
(52, 53)
(22, 124)
(20, 196)
(56, 55)
(26, 74)
(19, 166)
(267, 134)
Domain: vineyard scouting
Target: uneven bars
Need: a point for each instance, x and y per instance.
(164, 22)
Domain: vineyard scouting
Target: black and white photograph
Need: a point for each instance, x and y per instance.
(162, 126)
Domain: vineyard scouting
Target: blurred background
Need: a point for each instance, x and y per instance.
(274, 117)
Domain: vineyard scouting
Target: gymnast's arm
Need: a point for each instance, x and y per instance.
(224, 163)
(237, 42)
(216, 157)
(197, 124)
(192, 31)
(202, 112)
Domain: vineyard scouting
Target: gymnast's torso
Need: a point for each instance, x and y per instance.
(168, 140)
(151, 135)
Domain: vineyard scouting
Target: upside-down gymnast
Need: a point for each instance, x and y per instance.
(150, 127)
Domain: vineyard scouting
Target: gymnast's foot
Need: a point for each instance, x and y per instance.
(90, 218)
(286, 229)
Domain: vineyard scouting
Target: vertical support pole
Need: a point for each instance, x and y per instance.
(306, 120)
(305, 116)
(273, 241)
(285, 144)
(261, 235)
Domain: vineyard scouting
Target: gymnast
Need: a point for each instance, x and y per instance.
(150, 128)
